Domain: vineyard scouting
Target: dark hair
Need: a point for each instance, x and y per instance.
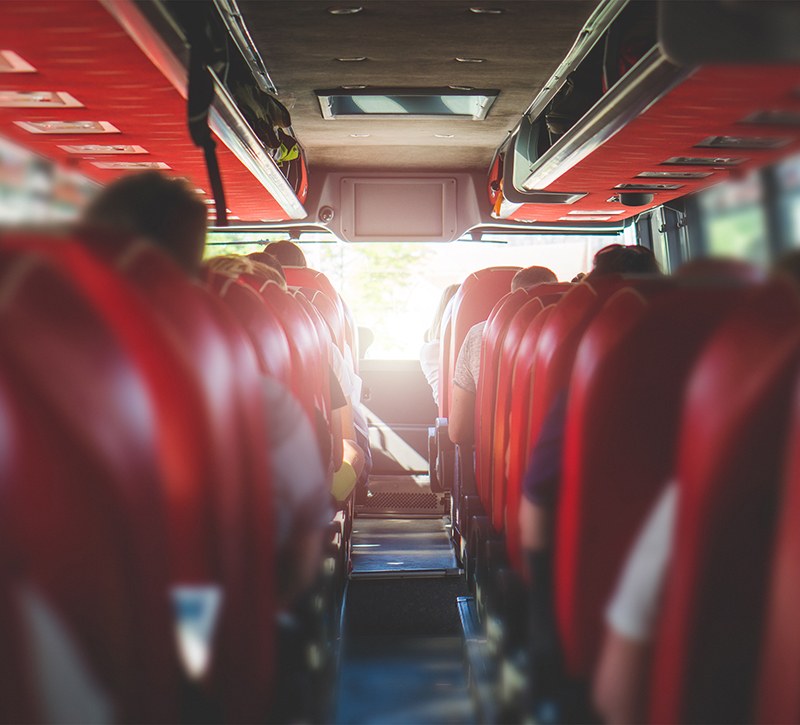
(163, 210)
(269, 259)
(624, 259)
(287, 253)
(531, 276)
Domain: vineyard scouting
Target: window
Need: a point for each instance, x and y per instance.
(734, 220)
(393, 288)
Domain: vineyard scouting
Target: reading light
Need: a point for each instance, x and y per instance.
(486, 11)
(359, 135)
(105, 150)
(11, 62)
(444, 135)
(126, 165)
(352, 59)
(38, 99)
(461, 59)
(67, 127)
(345, 10)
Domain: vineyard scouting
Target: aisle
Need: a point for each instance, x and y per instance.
(403, 653)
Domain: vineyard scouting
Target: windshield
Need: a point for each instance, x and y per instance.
(394, 288)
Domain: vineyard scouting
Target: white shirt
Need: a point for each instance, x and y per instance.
(468, 364)
(634, 607)
(429, 362)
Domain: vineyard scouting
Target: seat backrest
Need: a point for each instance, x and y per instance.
(518, 422)
(731, 439)
(263, 327)
(778, 695)
(619, 443)
(225, 368)
(304, 348)
(97, 490)
(472, 303)
(493, 335)
(502, 404)
(298, 277)
(327, 308)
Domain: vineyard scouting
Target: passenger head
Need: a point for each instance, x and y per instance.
(531, 276)
(270, 260)
(623, 259)
(287, 253)
(164, 211)
(435, 330)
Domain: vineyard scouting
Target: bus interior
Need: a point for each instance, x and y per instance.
(256, 488)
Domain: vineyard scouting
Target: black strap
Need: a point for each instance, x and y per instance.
(200, 98)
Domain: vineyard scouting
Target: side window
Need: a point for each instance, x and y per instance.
(734, 220)
(788, 178)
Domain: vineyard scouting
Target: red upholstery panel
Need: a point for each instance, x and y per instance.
(473, 303)
(502, 432)
(627, 383)
(311, 278)
(307, 371)
(732, 434)
(224, 366)
(78, 47)
(264, 328)
(96, 493)
(778, 691)
(519, 423)
(493, 335)
(327, 308)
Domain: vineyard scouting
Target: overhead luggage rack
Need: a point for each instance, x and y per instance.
(663, 130)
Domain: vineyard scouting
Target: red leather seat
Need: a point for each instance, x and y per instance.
(778, 697)
(502, 404)
(265, 330)
(299, 277)
(327, 308)
(474, 301)
(308, 374)
(236, 497)
(624, 402)
(519, 446)
(732, 436)
(493, 335)
(85, 518)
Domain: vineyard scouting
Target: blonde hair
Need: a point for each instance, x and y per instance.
(232, 265)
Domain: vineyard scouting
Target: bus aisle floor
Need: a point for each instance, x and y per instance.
(402, 657)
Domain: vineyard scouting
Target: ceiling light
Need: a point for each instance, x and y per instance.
(444, 135)
(117, 165)
(352, 59)
(703, 161)
(10, 62)
(743, 142)
(353, 88)
(774, 118)
(104, 150)
(586, 218)
(595, 212)
(359, 135)
(461, 59)
(486, 11)
(66, 127)
(674, 174)
(38, 99)
(648, 187)
(345, 10)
